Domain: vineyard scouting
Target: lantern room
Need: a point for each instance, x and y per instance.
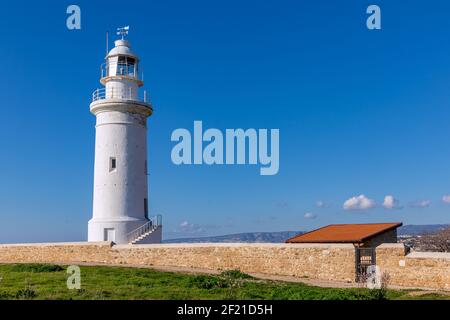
(120, 72)
(121, 63)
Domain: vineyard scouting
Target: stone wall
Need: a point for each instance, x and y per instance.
(95, 252)
(417, 269)
(316, 261)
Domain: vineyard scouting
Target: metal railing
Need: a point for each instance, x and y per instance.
(114, 93)
(148, 227)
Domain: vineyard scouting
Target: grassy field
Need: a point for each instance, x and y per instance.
(38, 281)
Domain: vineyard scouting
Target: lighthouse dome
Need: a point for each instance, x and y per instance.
(122, 48)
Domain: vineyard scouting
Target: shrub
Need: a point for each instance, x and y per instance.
(27, 293)
(236, 274)
(36, 267)
(380, 293)
(101, 295)
(4, 296)
(208, 282)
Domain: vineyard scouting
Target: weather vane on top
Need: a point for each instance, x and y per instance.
(123, 31)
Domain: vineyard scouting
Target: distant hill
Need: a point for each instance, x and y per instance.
(282, 236)
(270, 237)
(415, 230)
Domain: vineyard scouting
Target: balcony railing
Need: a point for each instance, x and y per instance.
(114, 93)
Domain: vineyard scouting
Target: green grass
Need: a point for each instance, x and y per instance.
(40, 281)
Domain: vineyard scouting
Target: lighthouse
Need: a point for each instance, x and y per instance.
(120, 200)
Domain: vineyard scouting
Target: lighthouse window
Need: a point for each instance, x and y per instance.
(112, 164)
(126, 66)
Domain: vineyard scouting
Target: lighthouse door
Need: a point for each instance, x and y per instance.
(110, 234)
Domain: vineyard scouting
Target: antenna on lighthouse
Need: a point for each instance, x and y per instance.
(123, 31)
(107, 43)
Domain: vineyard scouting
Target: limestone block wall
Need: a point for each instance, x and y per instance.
(417, 269)
(316, 261)
(68, 252)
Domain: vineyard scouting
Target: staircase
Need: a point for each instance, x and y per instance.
(140, 234)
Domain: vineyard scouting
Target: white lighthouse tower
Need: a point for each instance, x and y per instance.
(120, 206)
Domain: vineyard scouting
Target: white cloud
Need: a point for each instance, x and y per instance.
(446, 198)
(310, 215)
(420, 204)
(321, 204)
(187, 227)
(391, 203)
(184, 224)
(360, 202)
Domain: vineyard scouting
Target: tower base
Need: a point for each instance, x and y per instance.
(116, 230)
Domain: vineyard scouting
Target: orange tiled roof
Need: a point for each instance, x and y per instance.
(344, 233)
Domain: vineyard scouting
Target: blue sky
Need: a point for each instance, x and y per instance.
(360, 112)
